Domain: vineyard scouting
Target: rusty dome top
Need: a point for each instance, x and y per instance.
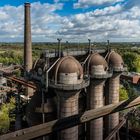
(97, 59)
(68, 64)
(115, 59)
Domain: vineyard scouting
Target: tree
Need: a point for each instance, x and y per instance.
(123, 94)
(4, 116)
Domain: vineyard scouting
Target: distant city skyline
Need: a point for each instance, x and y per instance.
(72, 20)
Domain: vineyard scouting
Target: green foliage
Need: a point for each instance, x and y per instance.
(11, 57)
(131, 91)
(123, 94)
(132, 60)
(4, 116)
(137, 63)
(17, 73)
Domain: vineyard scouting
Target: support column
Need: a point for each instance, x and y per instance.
(68, 106)
(95, 100)
(112, 98)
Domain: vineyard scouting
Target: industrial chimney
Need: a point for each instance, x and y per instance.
(27, 46)
(27, 40)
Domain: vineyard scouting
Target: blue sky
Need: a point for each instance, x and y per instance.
(67, 8)
(72, 20)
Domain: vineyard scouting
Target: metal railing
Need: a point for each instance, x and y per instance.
(73, 51)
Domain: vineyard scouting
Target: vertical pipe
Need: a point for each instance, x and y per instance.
(89, 41)
(27, 39)
(108, 45)
(68, 106)
(59, 47)
(95, 100)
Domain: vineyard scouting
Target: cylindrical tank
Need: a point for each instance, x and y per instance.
(98, 73)
(116, 63)
(68, 71)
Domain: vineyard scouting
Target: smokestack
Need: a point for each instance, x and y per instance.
(27, 39)
(27, 46)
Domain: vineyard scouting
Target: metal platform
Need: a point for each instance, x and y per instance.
(101, 76)
(119, 70)
(69, 87)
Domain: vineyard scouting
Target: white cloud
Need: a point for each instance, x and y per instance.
(89, 3)
(108, 10)
(112, 22)
(44, 21)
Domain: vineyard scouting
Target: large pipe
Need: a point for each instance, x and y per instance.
(27, 39)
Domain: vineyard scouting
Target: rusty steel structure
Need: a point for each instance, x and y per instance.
(74, 91)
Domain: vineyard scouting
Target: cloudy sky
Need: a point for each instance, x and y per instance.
(72, 20)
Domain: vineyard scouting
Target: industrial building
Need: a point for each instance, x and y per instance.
(64, 77)
(69, 83)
